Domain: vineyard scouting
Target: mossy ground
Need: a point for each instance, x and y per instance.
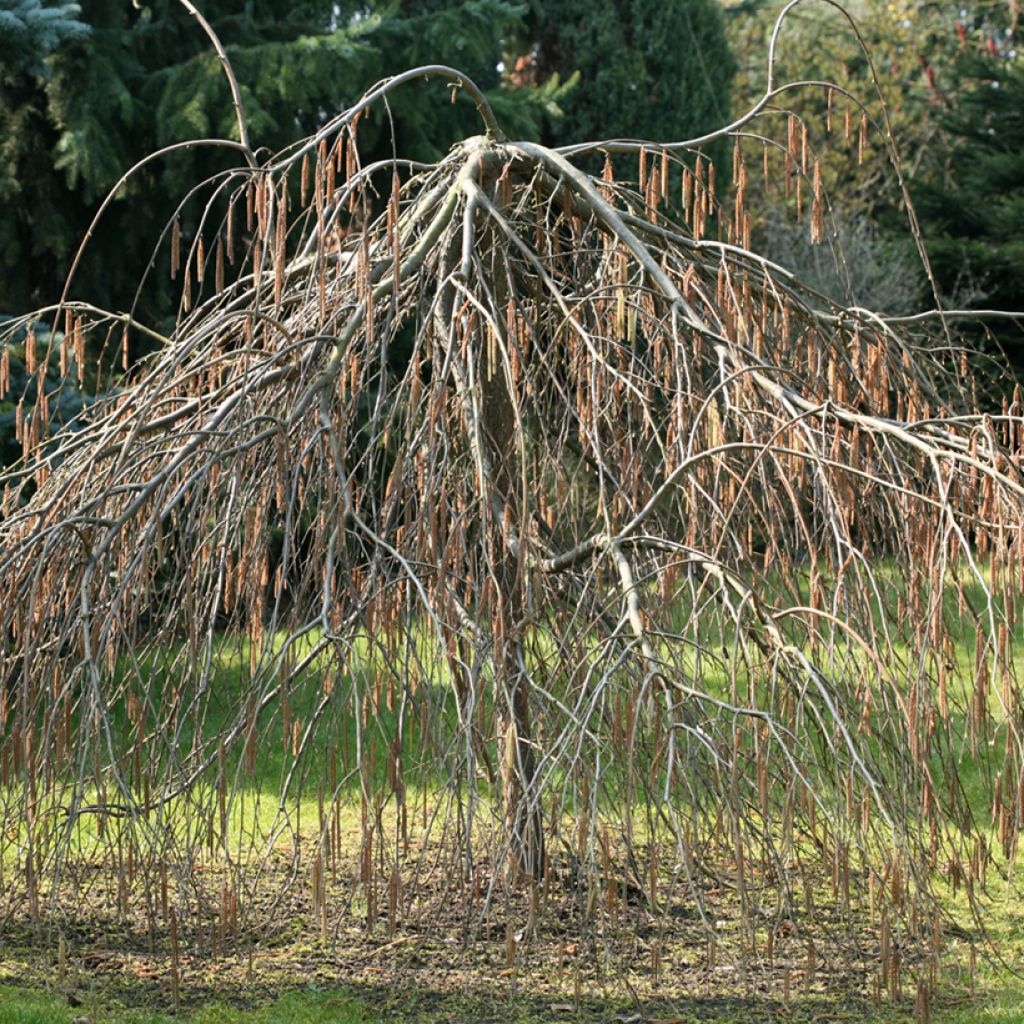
(105, 971)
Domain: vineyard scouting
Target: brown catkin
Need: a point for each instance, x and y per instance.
(175, 248)
(262, 188)
(229, 234)
(218, 262)
(817, 207)
(351, 153)
(280, 242)
(79, 337)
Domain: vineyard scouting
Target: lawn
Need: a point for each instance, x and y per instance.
(310, 1005)
(338, 930)
(26, 1006)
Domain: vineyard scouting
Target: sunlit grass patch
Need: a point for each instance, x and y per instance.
(25, 1006)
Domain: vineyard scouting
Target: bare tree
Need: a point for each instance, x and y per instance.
(536, 483)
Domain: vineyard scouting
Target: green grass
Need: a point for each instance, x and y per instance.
(22, 1006)
(27, 1006)
(1005, 1007)
(255, 809)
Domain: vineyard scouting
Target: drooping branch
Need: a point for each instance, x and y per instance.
(502, 480)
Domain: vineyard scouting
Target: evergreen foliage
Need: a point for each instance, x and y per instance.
(146, 78)
(31, 30)
(971, 202)
(652, 69)
(131, 79)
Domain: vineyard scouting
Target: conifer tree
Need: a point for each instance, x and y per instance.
(31, 30)
(971, 200)
(144, 77)
(647, 68)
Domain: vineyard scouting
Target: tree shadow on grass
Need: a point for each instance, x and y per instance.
(421, 979)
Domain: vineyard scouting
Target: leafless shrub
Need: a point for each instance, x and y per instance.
(642, 555)
(858, 269)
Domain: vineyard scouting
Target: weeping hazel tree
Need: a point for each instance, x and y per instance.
(498, 527)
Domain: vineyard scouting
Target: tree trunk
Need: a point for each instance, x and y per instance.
(489, 414)
(516, 756)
